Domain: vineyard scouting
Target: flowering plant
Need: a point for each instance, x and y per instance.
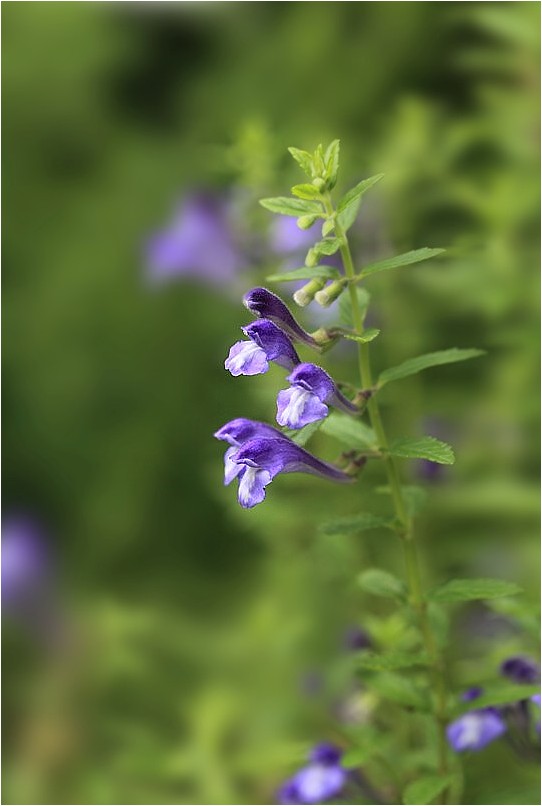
(414, 676)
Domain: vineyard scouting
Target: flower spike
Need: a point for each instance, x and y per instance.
(307, 400)
(267, 343)
(264, 304)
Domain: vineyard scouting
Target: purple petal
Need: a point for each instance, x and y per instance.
(252, 484)
(521, 669)
(472, 694)
(266, 305)
(240, 430)
(231, 468)
(319, 782)
(325, 753)
(273, 341)
(284, 456)
(316, 380)
(475, 730)
(296, 407)
(246, 358)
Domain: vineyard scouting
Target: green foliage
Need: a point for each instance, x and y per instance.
(331, 159)
(302, 435)
(415, 365)
(466, 590)
(415, 256)
(303, 159)
(399, 689)
(423, 448)
(425, 789)
(368, 335)
(390, 662)
(327, 246)
(348, 206)
(304, 273)
(291, 207)
(345, 306)
(353, 433)
(501, 695)
(356, 523)
(382, 583)
(306, 191)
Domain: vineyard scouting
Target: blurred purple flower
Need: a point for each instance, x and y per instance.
(267, 343)
(475, 729)
(25, 561)
(285, 237)
(320, 780)
(308, 397)
(198, 243)
(355, 639)
(521, 669)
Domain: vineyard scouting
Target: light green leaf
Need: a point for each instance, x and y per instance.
(398, 688)
(423, 448)
(328, 226)
(303, 159)
(501, 695)
(304, 273)
(328, 246)
(363, 338)
(292, 207)
(302, 435)
(331, 159)
(349, 204)
(415, 256)
(415, 497)
(415, 365)
(345, 306)
(426, 789)
(306, 191)
(353, 433)
(466, 590)
(382, 583)
(356, 523)
(390, 662)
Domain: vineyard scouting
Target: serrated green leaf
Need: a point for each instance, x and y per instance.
(382, 583)
(302, 435)
(304, 273)
(303, 159)
(421, 362)
(423, 448)
(363, 338)
(331, 159)
(318, 159)
(353, 433)
(292, 207)
(356, 757)
(356, 523)
(426, 789)
(306, 191)
(349, 204)
(501, 695)
(390, 662)
(466, 590)
(328, 246)
(345, 306)
(327, 227)
(415, 256)
(398, 688)
(415, 497)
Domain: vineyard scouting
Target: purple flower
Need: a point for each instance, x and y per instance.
(236, 433)
(475, 729)
(264, 458)
(197, 243)
(320, 780)
(265, 304)
(355, 638)
(521, 670)
(267, 343)
(287, 238)
(307, 400)
(25, 562)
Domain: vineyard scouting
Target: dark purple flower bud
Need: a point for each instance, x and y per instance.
(265, 458)
(325, 753)
(25, 561)
(475, 730)
(266, 305)
(267, 343)
(472, 694)
(198, 243)
(236, 433)
(355, 639)
(521, 670)
(307, 400)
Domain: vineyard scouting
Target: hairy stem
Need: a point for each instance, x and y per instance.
(405, 530)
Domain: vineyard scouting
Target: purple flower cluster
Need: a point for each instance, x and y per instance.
(320, 780)
(258, 452)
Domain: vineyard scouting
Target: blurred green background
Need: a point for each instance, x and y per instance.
(190, 627)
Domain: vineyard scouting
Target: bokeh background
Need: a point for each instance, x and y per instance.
(160, 644)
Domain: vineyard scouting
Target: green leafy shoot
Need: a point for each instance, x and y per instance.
(467, 590)
(425, 790)
(363, 338)
(331, 159)
(500, 695)
(423, 448)
(415, 256)
(349, 204)
(390, 662)
(292, 207)
(382, 583)
(303, 159)
(415, 365)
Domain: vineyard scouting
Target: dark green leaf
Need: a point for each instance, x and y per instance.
(304, 273)
(416, 256)
(356, 523)
(363, 338)
(306, 191)
(426, 789)
(390, 662)
(415, 365)
(291, 207)
(398, 688)
(501, 695)
(466, 590)
(303, 159)
(348, 206)
(423, 448)
(302, 435)
(382, 583)
(353, 433)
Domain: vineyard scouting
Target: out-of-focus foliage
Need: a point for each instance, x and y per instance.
(201, 646)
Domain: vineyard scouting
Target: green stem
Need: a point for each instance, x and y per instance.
(405, 530)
